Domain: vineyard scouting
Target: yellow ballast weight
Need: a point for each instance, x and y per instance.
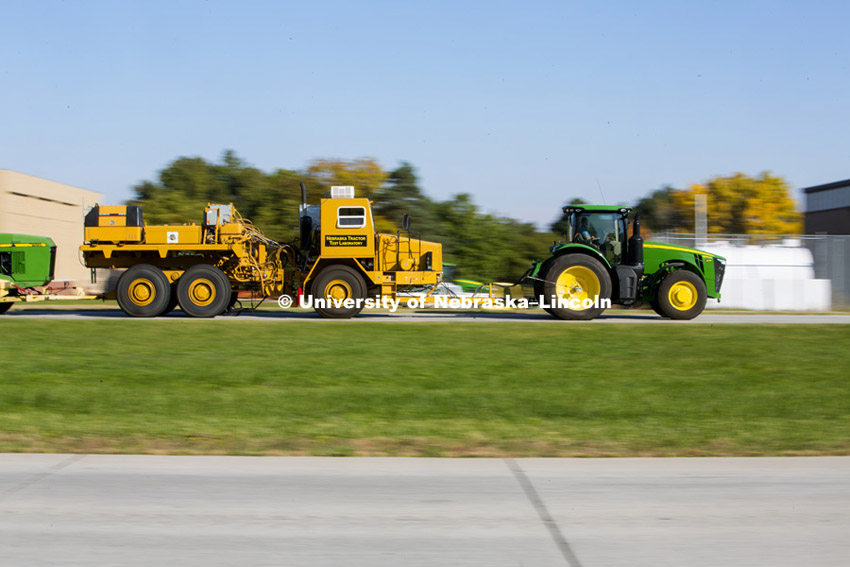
(114, 224)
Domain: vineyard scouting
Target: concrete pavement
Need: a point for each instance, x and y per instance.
(294, 511)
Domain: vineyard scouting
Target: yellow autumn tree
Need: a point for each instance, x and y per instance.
(772, 210)
(364, 174)
(740, 204)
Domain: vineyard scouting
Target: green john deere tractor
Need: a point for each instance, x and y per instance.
(25, 262)
(598, 266)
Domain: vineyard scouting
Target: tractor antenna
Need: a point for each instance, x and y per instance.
(600, 191)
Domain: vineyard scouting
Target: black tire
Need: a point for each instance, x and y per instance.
(681, 295)
(143, 291)
(203, 291)
(5, 307)
(655, 307)
(339, 283)
(574, 278)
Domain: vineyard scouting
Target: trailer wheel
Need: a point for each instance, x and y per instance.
(5, 307)
(203, 291)
(338, 284)
(681, 295)
(575, 279)
(143, 291)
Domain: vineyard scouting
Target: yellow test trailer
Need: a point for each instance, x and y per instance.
(339, 258)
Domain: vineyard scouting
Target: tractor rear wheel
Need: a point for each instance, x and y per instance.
(681, 295)
(143, 291)
(337, 285)
(203, 291)
(5, 307)
(575, 286)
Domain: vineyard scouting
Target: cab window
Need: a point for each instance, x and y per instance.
(351, 217)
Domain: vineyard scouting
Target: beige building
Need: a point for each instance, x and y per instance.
(31, 205)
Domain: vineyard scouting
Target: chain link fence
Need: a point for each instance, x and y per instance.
(832, 261)
(830, 253)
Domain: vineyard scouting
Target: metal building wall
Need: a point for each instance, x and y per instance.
(32, 205)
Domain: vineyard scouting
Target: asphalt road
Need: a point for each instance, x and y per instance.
(430, 315)
(290, 511)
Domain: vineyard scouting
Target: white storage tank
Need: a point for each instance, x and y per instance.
(776, 277)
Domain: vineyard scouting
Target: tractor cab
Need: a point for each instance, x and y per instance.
(602, 228)
(598, 259)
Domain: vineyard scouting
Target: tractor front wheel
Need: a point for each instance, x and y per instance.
(203, 291)
(576, 286)
(341, 291)
(143, 291)
(5, 307)
(657, 308)
(681, 295)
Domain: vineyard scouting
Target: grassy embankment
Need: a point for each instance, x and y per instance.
(430, 389)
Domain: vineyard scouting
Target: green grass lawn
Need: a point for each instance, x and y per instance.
(431, 389)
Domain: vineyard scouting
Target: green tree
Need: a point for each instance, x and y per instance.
(401, 194)
(561, 226)
(275, 210)
(658, 211)
(187, 184)
(483, 246)
(194, 178)
(467, 242)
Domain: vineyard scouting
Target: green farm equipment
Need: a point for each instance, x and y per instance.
(598, 266)
(25, 262)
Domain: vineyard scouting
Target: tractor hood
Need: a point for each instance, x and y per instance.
(710, 266)
(680, 249)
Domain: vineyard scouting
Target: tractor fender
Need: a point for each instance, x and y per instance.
(542, 268)
(325, 263)
(652, 282)
(574, 248)
(674, 265)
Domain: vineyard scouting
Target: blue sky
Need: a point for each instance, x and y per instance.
(525, 105)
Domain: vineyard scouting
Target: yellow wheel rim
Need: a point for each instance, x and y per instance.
(142, 292)
(682, 295)
(202, 292)
(576, 284)
(338, 290)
